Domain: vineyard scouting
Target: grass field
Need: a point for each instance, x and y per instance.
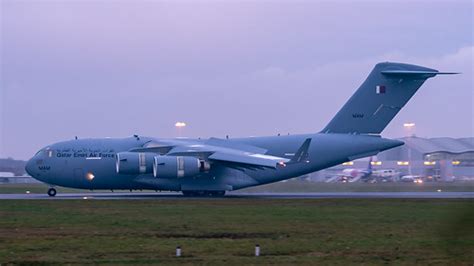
(225, 231)
(294, 186)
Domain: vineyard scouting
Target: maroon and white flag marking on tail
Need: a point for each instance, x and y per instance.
(379, 89)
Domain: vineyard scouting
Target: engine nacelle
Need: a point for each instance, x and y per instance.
(134, 163)
(176, 166)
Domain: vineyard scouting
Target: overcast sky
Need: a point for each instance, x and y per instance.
(116, 68)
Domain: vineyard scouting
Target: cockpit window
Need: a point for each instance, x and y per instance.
(45, 152)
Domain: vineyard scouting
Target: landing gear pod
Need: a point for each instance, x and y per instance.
(134, 163)
(176, 166)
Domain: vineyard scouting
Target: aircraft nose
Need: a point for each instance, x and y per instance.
(29, 168)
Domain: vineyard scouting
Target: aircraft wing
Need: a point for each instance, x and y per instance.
(256, 159)
(229, 155)
(155, 147)
(217, 150)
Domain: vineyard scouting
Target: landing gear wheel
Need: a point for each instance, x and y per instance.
(52, 192)
(220, 193)
(203, 193)
(189, 193)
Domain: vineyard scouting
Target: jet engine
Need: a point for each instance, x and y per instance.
(176, 166)
(133, 163)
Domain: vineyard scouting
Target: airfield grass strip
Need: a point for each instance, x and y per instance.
(296, 231)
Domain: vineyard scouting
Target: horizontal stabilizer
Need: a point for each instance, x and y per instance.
(415, 73)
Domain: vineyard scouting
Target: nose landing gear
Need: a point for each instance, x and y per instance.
(52, 192)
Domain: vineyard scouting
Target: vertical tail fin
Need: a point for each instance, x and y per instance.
(385, 91)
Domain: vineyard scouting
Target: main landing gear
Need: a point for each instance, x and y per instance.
(198, 193)
(52, 192)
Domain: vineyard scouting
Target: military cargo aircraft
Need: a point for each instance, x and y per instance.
(210, 167)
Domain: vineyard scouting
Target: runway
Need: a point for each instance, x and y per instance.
(236, 195)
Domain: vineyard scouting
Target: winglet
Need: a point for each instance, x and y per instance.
(302, 153)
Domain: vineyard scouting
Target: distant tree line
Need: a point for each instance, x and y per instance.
(17, 167)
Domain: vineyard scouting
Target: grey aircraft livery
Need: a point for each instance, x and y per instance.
(210, 167)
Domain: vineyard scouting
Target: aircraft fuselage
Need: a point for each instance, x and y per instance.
(91, 163)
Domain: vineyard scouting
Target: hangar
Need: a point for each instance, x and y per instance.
(438, 158)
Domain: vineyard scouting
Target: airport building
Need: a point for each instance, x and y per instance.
(438, 158)
(433, 159)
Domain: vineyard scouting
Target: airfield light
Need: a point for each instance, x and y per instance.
(180, 124)
(348, 163)
(179, 127)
